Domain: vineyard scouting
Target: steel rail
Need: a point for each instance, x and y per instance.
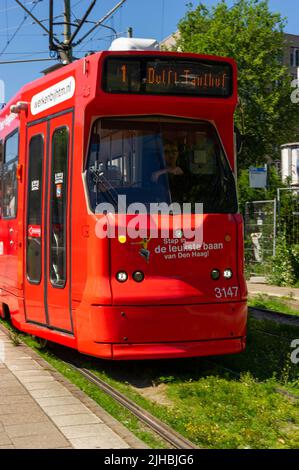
(163, 430)
(279, 317)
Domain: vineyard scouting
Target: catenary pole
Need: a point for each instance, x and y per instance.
(67, 54)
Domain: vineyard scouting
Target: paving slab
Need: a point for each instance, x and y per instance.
(19, 408)
(12, 391)
(84, 430)
(254, 288)
(37, 379)
(15, 399)
(71, 420)
(50, 392)
(4, 439)
(32, 373)
(27, 366)
(105, 441)
(46, 428)
(56, 401)
(36, 416)
(61, 410)
(39, 442)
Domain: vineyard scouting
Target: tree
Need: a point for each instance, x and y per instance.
(247, 194)
(254, 37)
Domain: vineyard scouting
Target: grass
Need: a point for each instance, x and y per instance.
(228, 401)
(222, 402)
(216, 410)
(15, 338)
(282, 305)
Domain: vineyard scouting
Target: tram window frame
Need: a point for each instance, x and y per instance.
(32, 159)
(10, 162)
(224, 160)
(65, 208)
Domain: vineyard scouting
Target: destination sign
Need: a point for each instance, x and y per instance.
(164, 76)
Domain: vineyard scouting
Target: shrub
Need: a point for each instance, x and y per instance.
(295, 253)
(285, 264)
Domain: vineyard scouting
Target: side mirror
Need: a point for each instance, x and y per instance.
(239, 139)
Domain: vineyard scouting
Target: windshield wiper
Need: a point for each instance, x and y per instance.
(99, 178)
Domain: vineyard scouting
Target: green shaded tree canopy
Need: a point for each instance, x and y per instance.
(254, 37)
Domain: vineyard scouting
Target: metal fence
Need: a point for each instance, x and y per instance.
(260, 235)
(288, 214)
(265, 223)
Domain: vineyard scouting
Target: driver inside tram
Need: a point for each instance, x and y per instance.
(171, 155)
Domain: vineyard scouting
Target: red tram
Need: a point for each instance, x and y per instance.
(155, 127)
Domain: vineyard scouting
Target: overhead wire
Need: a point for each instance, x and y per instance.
(98, 23)
(6, 18)
(120, 18)
(14, 27)
(19, 27)
(76, 4)
(93, 38)
(105, 38)
(25, 53)
(5, 62)
(76, 16)
(6, 9)
(26, 35)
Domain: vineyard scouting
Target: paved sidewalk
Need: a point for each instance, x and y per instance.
(39, 409)
(254, 288)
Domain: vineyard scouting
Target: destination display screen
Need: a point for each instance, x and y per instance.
(164, 76)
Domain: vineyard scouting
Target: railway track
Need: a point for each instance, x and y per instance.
(163, 430)
(284, 318)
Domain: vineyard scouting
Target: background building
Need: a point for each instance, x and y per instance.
(291, 55)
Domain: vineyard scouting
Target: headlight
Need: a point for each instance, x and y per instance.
(122, 276)
(215, 274)
(138, 276)
(227, 274)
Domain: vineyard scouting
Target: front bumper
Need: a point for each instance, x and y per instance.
(148, 332)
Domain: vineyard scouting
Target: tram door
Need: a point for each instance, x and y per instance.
(47, 283)
(34, 284)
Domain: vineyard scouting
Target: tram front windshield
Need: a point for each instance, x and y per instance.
(157, 161)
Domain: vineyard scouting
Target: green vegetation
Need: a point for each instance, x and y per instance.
(253, 35)
(284, 267)
(274, 304)
(268, 353)
(228, 401)
(15, 338)
(248, 194)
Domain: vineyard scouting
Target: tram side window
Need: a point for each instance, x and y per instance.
(34, 214)
(58, 235)
(9, 177)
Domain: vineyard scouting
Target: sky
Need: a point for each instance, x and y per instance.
(156, 19)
